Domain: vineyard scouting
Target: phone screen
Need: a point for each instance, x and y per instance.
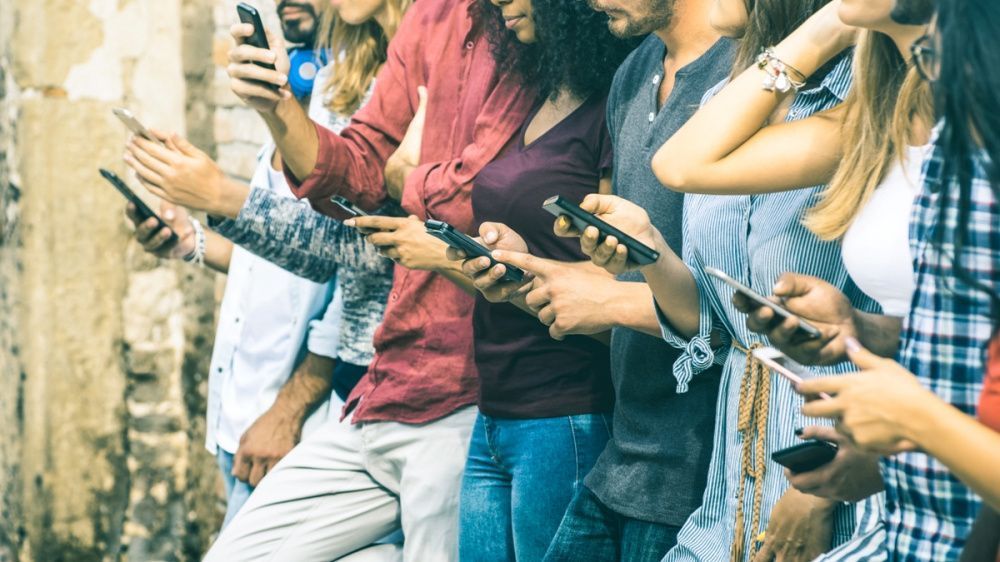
(785, 366)
(805, 327)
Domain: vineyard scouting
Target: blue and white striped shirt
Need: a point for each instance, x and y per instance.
(755, 239)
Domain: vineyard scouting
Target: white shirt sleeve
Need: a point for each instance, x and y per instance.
(324, 333)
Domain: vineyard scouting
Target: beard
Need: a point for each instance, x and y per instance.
(913, 12)
(653, 15)
(301, 31)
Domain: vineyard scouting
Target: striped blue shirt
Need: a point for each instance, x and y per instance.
(755, 239)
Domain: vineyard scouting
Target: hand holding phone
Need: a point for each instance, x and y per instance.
(638, 252)
(143, 212)
(808, 330)
(461, 241)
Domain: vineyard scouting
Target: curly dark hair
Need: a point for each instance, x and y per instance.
(574, 50)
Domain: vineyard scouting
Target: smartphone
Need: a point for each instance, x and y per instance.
(638, 252)
(461, 241)
(785, 366)
(349, 207)
(249, 14)
(133, 124)
(806, 456)
(142, 209)
(805, 328)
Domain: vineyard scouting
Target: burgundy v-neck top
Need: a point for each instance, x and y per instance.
(523, 372)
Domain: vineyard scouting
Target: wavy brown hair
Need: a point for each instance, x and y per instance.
(887, 96)
(358, 52)
(768, 22)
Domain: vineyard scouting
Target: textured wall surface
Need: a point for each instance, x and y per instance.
(103, 349)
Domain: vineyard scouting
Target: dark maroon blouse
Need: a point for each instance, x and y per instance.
(523, 372)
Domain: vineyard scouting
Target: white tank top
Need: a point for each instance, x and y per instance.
(876, 248)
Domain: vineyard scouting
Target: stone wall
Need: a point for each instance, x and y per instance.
(104, 350)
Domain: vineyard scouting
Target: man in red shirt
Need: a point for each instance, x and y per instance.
(401, 457)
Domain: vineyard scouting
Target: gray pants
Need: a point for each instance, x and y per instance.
(346, 486)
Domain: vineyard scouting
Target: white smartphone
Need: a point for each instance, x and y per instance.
(133, 124)
(806, 328)
(785, 366)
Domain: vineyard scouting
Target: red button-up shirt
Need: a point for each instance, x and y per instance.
(423, 368)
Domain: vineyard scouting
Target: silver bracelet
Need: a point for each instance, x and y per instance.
(776, 73)
(198, 254)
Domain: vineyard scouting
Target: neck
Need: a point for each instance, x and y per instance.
(904, 36)
(689, 33)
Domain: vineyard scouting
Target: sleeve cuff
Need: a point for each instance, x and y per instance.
(324, 333)
(413, 201)
(314, 185)
(697, 355)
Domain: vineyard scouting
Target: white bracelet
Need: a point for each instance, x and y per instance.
(777, 73)
(198, 254)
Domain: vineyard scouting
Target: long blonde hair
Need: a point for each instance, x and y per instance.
(880, 110)
(358, 52)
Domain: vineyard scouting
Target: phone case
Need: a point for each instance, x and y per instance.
(638, 252)
(806, 456)
(249, 14)
(458, 240)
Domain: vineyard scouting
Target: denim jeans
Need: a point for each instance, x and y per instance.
(593, 532)
(237, 491)
(519, 478)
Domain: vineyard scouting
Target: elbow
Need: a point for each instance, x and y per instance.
(671, 172)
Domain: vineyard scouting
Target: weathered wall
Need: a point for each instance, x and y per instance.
(103, 350)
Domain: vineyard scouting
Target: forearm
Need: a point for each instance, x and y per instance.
(970, 449)
(878, 332)
(632, 310)
(308, 387)
(454, 273)
(676, 293)
(218, 251)
(295, 136)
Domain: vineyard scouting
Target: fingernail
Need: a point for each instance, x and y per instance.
(779, 286)
(852, 345)
(349, 222)
(169, 214)
(798, 431)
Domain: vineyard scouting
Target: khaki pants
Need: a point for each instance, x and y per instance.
(347, 486)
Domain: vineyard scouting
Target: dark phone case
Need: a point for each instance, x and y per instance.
(347, 206)
(141, 208)
(638, 252)
(249, 14)
(806, 456)
(447, 233)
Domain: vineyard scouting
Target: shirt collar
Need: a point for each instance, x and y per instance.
(840, 77)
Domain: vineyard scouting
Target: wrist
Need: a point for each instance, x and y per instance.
(231, 198)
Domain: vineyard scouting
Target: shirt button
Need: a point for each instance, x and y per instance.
(656, 79)
(469, 45)
(652, 116)
(395, 296)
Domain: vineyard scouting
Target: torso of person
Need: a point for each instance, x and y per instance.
(876, 248)
(655, 465)
(523, 372)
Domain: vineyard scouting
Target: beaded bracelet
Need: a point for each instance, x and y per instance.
(198, 254)
(776, 73)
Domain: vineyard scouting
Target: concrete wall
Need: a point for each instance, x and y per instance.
(104, 350)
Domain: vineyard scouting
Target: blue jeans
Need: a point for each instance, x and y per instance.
(593, 532)
(519, 478)
(237, 491)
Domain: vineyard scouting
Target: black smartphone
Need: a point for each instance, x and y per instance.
(638, 252)
(461, 241)
(142, 209)
(807, 329)
(349, 207)
(805, 456)
(249, 14)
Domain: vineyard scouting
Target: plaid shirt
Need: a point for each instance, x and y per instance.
(929, 512)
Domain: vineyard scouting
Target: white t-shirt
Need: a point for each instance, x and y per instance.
(876, 248)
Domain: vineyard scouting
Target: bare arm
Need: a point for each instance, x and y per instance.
(721, 148)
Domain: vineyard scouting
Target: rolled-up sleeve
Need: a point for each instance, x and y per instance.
(697, 355)
(324, 332)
